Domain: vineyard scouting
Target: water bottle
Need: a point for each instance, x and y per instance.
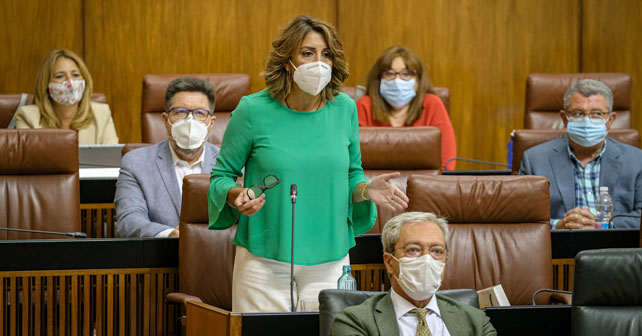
(603, 208)
(346, 281)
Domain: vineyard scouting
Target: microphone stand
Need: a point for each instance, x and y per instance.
(293, 194)
(70, 234)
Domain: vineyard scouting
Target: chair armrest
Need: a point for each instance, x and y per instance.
(556, 295)
(564, 298)
(182, 298)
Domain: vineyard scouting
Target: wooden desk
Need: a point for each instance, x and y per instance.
(106, 286)
(203, 319)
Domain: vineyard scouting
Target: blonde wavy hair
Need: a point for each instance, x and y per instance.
(380, 108)
(48, 117)
(279, 81)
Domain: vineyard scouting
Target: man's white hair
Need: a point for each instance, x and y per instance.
(392, 228)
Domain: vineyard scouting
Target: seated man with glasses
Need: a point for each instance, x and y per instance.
(150, 184)
(415, 254)
(579, 164)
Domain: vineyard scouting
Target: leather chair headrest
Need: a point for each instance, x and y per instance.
(481, 199)
(38, 151)
(229, 87)
(545, 97)
(406, 148)
(608, 277)
(194, 204)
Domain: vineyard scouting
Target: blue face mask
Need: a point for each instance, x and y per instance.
(397, 92)
(585, 132)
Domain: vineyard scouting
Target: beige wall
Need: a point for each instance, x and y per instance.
(481, 49)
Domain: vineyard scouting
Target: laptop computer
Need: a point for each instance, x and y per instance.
(96, 156)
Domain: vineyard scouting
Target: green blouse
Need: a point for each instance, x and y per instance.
(319, 152)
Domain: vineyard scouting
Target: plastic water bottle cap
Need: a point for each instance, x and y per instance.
(604, 189)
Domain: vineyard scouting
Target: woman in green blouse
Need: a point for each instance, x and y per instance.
(302, 130)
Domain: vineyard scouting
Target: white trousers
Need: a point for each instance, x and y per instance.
(263, 285)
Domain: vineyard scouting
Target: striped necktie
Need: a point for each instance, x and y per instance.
(422, 325)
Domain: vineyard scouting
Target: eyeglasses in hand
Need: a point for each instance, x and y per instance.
(256, 190)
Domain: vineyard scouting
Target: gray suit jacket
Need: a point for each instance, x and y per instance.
(147, 198)
(621, 171)
(376, 316)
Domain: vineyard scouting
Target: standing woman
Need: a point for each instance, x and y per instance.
(400, 94)
(62, 100)
(302, 131)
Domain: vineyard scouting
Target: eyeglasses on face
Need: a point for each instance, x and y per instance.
(405, 74)
(270, 181)
(594, 115)
(438, 252)
(182, 113)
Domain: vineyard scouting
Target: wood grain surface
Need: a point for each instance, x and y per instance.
(482, 50)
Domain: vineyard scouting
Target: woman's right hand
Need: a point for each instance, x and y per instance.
(243, 203)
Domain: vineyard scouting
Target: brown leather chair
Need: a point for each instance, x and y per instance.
(205, 257)
(39, 185)
(525, 139)
(440, 91)
(229, 90)
(409, 150)
(128, 147)
(545, 97)
(9, 105)
(499, 231)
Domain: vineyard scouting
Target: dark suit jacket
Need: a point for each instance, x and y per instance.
(621, 171)
(376, 316)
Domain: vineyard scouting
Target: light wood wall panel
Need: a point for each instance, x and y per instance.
(481, 50)
(29, 31)
(612, 42)
(127, 39)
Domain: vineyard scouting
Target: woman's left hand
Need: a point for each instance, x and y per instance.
(383, 193)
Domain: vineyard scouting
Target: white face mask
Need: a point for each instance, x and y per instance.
(312, 77)
(68, 92)
(420, 277)
(189, 133)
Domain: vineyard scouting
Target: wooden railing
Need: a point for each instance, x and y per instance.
(373, 277)
(88, 302)
(98, 220)
(563, 270)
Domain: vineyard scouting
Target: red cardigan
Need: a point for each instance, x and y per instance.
(433, 114)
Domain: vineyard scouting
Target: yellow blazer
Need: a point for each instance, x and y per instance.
(101, 131)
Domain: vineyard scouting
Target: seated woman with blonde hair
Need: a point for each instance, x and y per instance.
(62, 100)
(400, 94)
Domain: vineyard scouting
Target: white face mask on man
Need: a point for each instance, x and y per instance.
(312, 77)
(189, 133)
(419, 277)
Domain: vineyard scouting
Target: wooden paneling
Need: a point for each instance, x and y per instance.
(481, 50)
(87, 301)
(29, 31)
(611, 42)
(127, 39)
